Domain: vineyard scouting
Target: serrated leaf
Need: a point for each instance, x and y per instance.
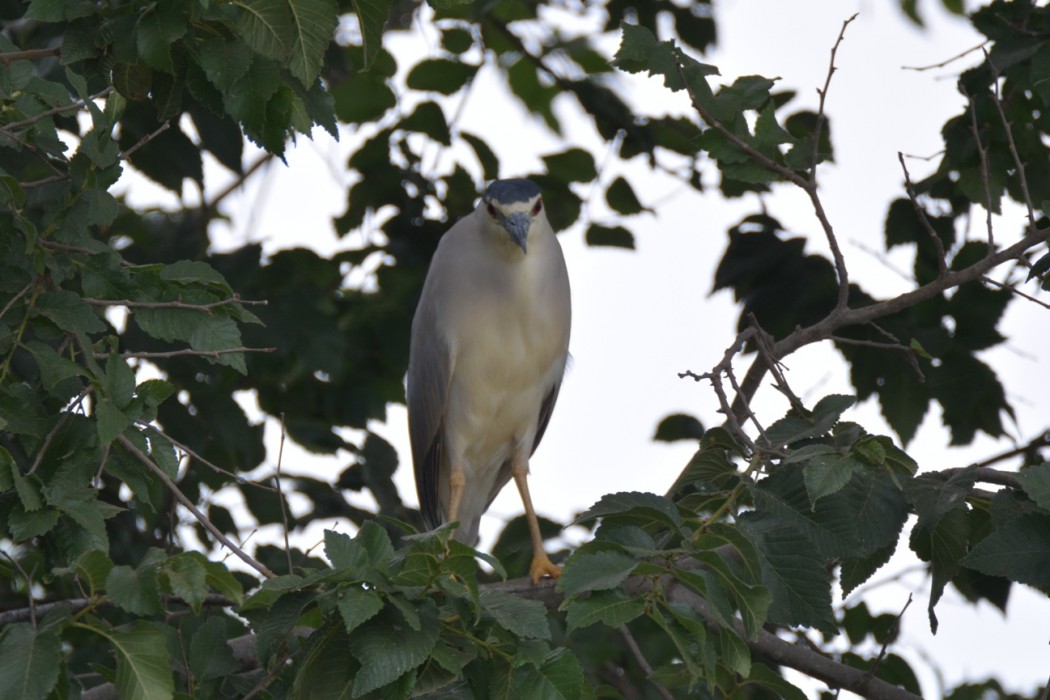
(644, 506)
(24, 525)
(595, 571)
(32, 659)
(110, 421)
(558, 677)
(611, 608)
(266, 26)
(387, 648)
(210, 655)
(828, 474)
(68, 311)
(1036, 483)
(187, 578)
(215, 334)
(118, 384)
(372, 16)
(1018, 550)
(134, 590)
(143, 664)
(313, 23)
(521, 617)
(93, 570)
(357, 606)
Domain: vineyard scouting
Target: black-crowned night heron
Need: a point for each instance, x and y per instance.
(490, 340)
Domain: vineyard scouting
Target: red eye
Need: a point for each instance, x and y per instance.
(537, 207)
(492, 211)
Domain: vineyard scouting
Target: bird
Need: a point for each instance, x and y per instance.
(488, 351)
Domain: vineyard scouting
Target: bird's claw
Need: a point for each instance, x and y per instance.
(543, 566)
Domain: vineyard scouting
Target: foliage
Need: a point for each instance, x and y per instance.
(124, 339)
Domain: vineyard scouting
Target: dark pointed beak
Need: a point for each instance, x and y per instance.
(517, 225)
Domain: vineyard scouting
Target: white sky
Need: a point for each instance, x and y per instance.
(641, 317)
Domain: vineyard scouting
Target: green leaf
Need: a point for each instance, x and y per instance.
(143, 664)
(797, 426)
(621, 198)
(224, 61)
(357, 606)
(1018, 550)
(313, 23)
(343, 551)
(614, 236)
(761, 675)
(612, 608)
(794, 573)
(54, 368)
(440, 75)
(521, 617)
(210, 655)
(187, 578)
(110, 421)
(830, 525)
(572, 165)
(635, 504)
(828, 474)
(134, 590)
(218, 333)
(266, 26)
(68, 311)
(944, 546)
(678, 426)
(558, 677)
(32, 659)
(158, 27)
(1036, 483)
(372, 16)
(118, 384)
(93, 570)
(429, 119)
(388, 648)
(488, 160)
(24, 525)
(595, 571)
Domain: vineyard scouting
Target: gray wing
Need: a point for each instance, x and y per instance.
(429, 373)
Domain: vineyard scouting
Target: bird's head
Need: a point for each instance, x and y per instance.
(515, 206)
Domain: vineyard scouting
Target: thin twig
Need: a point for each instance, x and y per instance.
(29, 55)
(233, 186)
(125, 155)
(786, 173)
(54, 431)
(190, 506)
(947, 61)
(236, 299)
(1022, 178)
(1014, 290)
(213, 354)
(636, 651)
(280, 496)
(32, 609)
(890, 634)
(819, 127)
(21, 293)
(8, 129)
(942, 265)
(982, 152)
(211, 465)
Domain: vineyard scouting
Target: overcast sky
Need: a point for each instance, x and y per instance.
(642, 317)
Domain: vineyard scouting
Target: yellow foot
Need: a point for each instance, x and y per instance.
(543, 566)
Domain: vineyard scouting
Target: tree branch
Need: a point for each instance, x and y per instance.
(190, 506)
(235, 299)
(29, 55)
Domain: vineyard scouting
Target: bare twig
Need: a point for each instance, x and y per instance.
(31, 611)
(890, 633)
(29, 55)
(982, 152)
(636, 651)
(1018, 163)
(806, 185)
(235, 299)
(823, 92)
(211, 465)
(213, 354)
(280, 497)
(9, 129)
(233, 186)
(190, 506)
(124, 155)
(920, 212)
(1014, 290)
(21, 293)
(948, 61)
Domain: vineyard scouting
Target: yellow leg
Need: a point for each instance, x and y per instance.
(541, 563)
(457, 481)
